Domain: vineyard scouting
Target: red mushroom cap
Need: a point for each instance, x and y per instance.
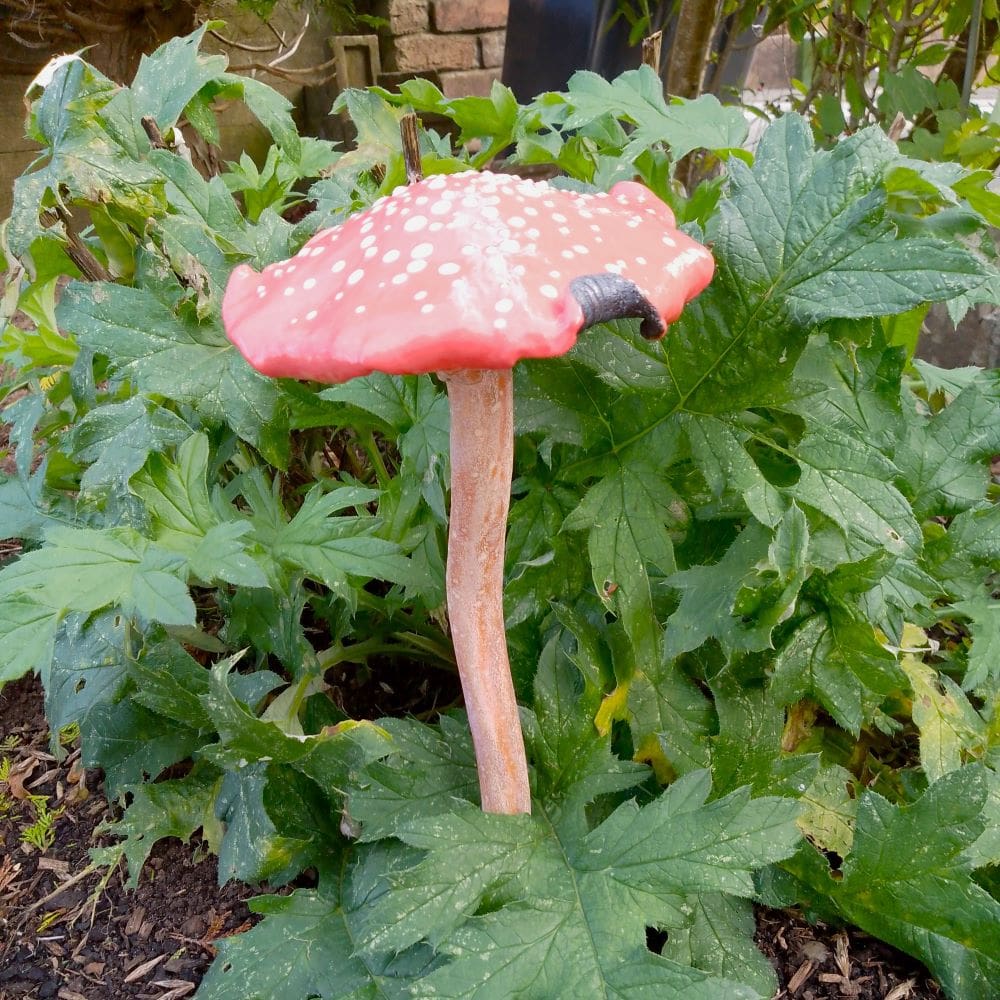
(468, 270)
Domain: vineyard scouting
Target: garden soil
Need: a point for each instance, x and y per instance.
(68, 935)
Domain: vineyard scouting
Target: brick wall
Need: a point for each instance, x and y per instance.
(456, 43)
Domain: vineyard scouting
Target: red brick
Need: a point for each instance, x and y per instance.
(405, 17)
(491, 44)
(469, 15)
(468, 83)
(413, 53)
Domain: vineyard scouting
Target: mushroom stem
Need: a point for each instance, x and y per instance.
(482, 455)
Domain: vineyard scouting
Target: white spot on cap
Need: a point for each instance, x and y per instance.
(500, 323)
(422, 294)
(308, 283)
(427, 308)
(316, 251)
(312, 314)
(289, 290)
(504, 305)
(415, 223)
(422, 250)
(355, 276)
(416, 266)
(530, 210)
(510, 246)
(367, 242)
(558, 216)
(580, 248)
(360, 310)
(338, 266)
(398, 279)
(516, 221)
(449, 268)
(390, 256)
(549, 291)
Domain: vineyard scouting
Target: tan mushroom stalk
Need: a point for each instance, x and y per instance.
(464, 275)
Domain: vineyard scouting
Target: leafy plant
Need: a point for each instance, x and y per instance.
(776, 658)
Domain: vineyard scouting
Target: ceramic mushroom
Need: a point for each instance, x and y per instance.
(464, 275)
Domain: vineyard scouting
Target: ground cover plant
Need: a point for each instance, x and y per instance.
(774, 675)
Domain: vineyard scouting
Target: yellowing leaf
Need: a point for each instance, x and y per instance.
(949, 726)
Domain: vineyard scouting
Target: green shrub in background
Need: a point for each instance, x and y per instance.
(775, 675)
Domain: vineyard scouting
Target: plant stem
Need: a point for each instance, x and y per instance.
(482, 456)
(367, 441)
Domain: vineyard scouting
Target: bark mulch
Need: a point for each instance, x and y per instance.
(72, 936)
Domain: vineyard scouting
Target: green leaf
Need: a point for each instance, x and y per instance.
(173, 356)
(165, 82)
(115, 440)
(187, 520)
(88, 669)
(170, 682)
(79, 160)
(719, 449)
(838, 662)
(589, 936)
(851, 483)
(26, 634)
(253, 849)
(424, 768)
(173, 808)
(27, 508)
(626, 515)
(130, 743)
(801, 239)
(334, 549)
(84, 570)
(944, 461)
(718, 938)
(742, 598)
(984, 656)
(637, 97)
(329, 758)
(305, 945)
(906, 881)
(272, 109)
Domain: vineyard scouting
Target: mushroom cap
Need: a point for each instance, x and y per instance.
(466, 270)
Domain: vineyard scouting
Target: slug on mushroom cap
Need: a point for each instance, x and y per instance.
(467, 270)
